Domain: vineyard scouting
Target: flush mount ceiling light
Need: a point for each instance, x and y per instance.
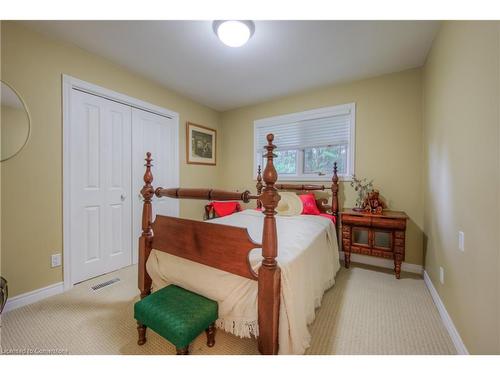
(234, 33)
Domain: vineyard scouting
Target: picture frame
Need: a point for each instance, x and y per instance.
(201, 144)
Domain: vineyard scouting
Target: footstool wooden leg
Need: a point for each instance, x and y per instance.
(183, 351)
(141, 329)
(210, 335)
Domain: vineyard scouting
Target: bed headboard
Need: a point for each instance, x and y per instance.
(322, 203)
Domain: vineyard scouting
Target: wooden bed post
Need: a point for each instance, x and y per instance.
(147, 234)
(335, 194)
(269, 272)
(259, 187)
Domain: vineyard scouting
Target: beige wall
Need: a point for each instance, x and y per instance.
(15, 130)
(32, 181)
(388, 141)
(461, 177)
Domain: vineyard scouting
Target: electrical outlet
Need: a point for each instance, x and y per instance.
(461, 241)
(55, 260)
(441, 275)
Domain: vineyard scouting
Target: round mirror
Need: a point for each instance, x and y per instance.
(15, 122)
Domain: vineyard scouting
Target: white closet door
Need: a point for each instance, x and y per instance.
(158, 135)
(101, 220)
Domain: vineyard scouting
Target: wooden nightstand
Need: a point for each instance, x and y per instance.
(376, 235)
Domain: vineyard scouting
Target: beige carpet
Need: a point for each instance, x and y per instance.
(368, 311)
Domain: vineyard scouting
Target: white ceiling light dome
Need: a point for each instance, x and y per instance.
(234, 33)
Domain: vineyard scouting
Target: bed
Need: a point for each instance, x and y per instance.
(260, 288)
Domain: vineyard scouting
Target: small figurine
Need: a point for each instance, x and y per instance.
(374, 203)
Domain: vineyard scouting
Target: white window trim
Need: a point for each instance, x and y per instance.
(308, 115)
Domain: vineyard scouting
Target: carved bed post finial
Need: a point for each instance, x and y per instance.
(147, 234)
(335, 193)
(259, 187)
(269, 272)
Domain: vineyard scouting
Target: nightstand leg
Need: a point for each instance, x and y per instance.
(397, 267)
(347, 259)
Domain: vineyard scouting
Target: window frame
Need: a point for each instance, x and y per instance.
(336, 110)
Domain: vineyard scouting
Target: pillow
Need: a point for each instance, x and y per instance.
(309, 203)
(289, 204)
(225, 208)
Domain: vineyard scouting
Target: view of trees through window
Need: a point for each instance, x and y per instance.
(316, 160)
(321, 159)
(286, 162)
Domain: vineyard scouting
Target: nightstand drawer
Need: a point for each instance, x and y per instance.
(356, 220)
(381, 222)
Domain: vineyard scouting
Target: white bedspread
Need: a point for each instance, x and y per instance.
(308, 257)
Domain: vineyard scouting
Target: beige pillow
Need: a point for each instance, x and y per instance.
(289, 205)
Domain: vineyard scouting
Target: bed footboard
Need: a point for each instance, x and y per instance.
(219, 246)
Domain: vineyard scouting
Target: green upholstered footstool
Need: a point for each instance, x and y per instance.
(177, 315)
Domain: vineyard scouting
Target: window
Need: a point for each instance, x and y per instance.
(308, 143)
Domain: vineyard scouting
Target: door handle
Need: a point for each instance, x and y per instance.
(123, 197)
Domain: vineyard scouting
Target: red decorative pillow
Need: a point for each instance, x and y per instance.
(309, 204)
(225, 208)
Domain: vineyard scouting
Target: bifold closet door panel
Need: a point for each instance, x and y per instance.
(100, 185)
(158, 135)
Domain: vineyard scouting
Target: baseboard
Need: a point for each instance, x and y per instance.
(384, 263)
(448, 323)
(33, 296)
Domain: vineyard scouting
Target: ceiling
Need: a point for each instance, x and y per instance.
(282, 57)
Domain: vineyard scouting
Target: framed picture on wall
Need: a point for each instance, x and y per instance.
(201, 144)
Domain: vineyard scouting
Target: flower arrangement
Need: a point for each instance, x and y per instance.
(363, 187)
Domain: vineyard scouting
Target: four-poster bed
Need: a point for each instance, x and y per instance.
(228, 248)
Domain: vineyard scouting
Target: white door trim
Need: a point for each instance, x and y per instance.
(69, 83)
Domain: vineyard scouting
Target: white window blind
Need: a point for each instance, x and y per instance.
(332, 126)
(326, 131)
